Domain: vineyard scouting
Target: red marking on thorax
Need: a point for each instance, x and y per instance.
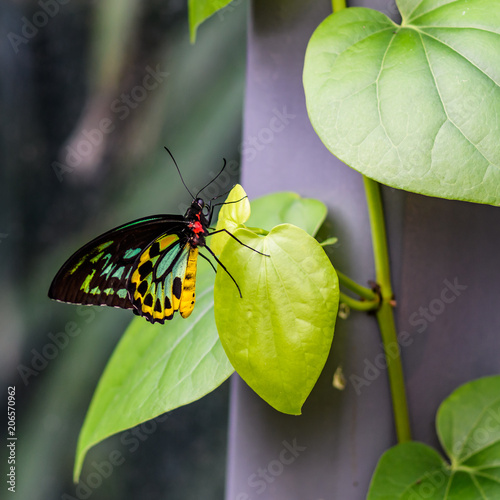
(196, 227)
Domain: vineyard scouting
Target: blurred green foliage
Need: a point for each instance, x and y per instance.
(87, 63)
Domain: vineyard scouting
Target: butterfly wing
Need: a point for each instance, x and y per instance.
(164, 277)
(99, 272)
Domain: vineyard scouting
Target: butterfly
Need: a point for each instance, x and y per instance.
(147, 265)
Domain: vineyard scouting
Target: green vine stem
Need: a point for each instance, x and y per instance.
(360, 290)
(359, 305)
(385, 314)
(379, 239)
(338, 5)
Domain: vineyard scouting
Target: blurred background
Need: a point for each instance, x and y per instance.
(90, 92)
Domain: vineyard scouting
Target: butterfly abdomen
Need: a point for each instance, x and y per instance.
(164, 279)
(188, 296)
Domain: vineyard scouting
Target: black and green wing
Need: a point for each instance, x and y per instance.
(99, 273)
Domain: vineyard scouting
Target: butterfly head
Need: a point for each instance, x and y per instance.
(199, 204)
(198, 215)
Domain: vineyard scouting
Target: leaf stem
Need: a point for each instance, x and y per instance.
(379, 238)
(360, 290)
(338, 5)
(385, 314)
(359, 305)
(258, 230)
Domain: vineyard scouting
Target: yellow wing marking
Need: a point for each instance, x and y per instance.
(157, 294)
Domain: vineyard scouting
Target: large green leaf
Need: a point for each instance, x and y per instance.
(279, 334)
(415, 106)
(201, 10)
(156, 368)
(287, 207)
(468, 425)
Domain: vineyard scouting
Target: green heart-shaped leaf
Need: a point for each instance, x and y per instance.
(279, 334)
(234, 212)
(287, 207)
(415, 106)
(156, 368)
(468, 426)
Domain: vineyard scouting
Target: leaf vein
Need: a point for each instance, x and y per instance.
(490, 163)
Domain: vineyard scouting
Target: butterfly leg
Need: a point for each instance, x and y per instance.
(209, 261)
(223, 267)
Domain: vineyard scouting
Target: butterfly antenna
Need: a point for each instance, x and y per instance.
(223, 194)
(221, 170)
(180, 175)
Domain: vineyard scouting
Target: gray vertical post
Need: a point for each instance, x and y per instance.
(445, 272)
